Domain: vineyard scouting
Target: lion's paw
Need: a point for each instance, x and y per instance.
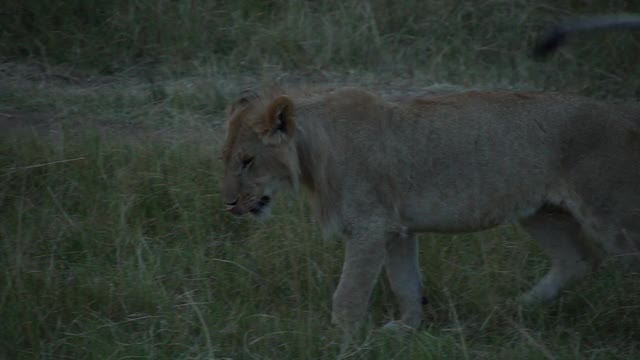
(397, 327)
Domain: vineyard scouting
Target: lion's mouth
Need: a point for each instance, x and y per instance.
(255, 208)
(260, 204)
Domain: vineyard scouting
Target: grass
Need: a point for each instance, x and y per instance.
(113, 244)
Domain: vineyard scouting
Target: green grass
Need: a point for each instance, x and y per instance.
(113, 242)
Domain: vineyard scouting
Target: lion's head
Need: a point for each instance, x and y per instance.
(259, 153)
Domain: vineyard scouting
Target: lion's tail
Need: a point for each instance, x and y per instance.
(557, 36)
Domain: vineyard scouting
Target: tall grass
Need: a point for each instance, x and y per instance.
(112, 239)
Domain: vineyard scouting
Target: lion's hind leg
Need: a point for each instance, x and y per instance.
(619, 237)
(606, 196)
(614, 221)
(572, 255)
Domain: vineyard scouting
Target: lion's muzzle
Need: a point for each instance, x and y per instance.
(254, 207)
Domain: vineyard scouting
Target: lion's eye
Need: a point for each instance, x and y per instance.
(247, 162)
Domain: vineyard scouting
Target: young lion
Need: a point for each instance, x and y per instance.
(378, 172)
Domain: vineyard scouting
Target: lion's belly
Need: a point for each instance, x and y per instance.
(476, 187)
(467, 211)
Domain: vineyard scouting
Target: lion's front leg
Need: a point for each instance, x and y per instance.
(364, 256)
(403, 272)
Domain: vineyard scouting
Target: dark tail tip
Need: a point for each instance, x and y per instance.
(548, 44)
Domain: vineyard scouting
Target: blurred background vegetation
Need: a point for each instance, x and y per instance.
(451, 40)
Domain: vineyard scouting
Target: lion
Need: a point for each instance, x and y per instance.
(378, 172)
(553, 39)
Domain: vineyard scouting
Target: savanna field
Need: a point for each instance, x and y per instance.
(113, 239)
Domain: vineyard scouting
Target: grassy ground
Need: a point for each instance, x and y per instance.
(113, 244)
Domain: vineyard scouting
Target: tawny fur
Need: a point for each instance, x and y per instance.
(378, 172)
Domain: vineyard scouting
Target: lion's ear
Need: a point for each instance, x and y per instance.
(280, 121)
